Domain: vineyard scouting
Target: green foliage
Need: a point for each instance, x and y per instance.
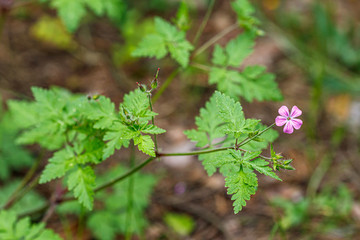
(12, 156)
(252, 83)
(84, 132)
(115, 204)
(245, 12)
(222, 124)
(242, 185)
(166, 39)
(72, 12)
(12, 228)
(330, 208)
(30, 201)
(115, 213)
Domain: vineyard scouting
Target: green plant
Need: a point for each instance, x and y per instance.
(84, 131)
(330, 209)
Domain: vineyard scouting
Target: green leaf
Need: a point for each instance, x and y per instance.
(151, 45)
(241, 185)
(209, 125)
(82, 182)
(259, 85)
(102, 110)
(114, 214)
(145, 144)
(11, 228)
(245, 12)
(152, 129)
(180, 52)
(58, 165)
(262, 167)
(167, 39)
(231, 113)
(136, 104)
(71, 12)
(219, 56)
(239, 48)
(118, 136)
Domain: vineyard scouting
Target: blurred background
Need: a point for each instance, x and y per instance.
(312, 46)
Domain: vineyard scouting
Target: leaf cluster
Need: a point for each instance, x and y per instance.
(222, 124)
(83, 132)
(11, 228)
(72, 12)
(120, 212)
(252, 83)
(166, 39)
(12, 156)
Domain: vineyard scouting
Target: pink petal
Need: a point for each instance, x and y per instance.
(284, 111)
(280, 120)
(295, 111)
(288, 128)
(296, 123)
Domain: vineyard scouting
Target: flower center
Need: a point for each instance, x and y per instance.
(288, 118)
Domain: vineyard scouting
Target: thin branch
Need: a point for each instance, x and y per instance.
(153, 122)
(204, 22)
(166, 84)
(16, 194)
(215, 38)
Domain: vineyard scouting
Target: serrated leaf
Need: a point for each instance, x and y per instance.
(231, 113)
(209, 125)
(219, 56)
(136, 103)
(241, 185)
(166, 39)
(151, 45)
(82, 182)
(152, 129)
(262, 167)
(71, 12)
(61, 162)
(180, 52)
(259, 85)
(119, 135)
(102, 110)
(239, 48)
(145, 144)
(11, 228)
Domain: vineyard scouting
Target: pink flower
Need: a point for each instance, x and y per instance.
(289, 119)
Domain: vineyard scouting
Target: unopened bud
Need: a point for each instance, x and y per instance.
(142, 87)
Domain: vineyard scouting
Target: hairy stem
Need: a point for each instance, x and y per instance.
(130, 193)
(16, 194)
(258, 134)
(153, 122)
(204, 22)
(215, 38)
(166, 84)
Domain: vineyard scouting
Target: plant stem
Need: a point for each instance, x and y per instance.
(153, 122)
(201, 67)
(166, 84)
(130, 193)
(125, 175)
(14, 197)
(204, 22)
(249, 139)
(215, 38)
